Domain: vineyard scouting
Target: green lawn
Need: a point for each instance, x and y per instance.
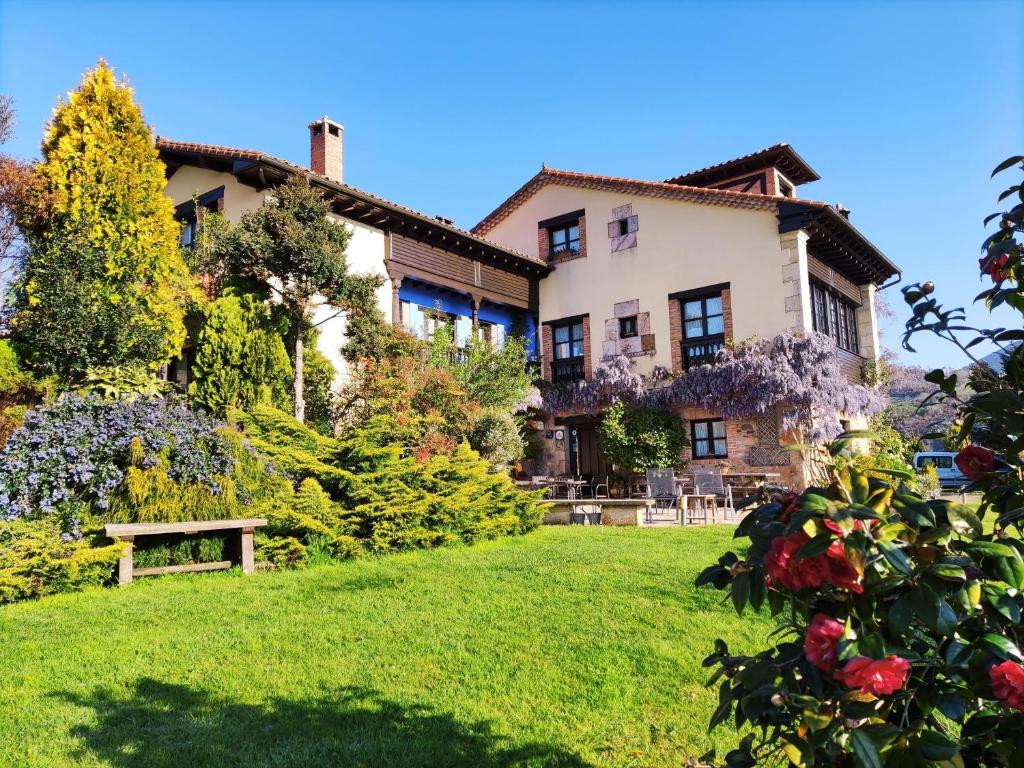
(570, 646)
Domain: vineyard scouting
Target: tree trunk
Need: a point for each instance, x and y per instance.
(299, 391)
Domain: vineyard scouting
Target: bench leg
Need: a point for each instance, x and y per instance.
(124, 565)
(248, 563)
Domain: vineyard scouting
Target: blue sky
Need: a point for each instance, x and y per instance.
(448, 107)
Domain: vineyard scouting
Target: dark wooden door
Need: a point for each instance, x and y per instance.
(584, 455)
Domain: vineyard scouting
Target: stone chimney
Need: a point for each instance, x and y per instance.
(325, 148)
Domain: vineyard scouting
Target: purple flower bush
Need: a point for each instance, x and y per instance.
(76, 450)
(799, 372)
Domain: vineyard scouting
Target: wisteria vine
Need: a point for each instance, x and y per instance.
(797, 372)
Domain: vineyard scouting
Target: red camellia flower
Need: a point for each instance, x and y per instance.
(841, 570)
(790, 502)
(821, 642)
(1007, 680)
(974, 461)
(998, 270)
(831, 567)
(780, 560)
(877, 677)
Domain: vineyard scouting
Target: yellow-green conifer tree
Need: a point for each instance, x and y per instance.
(104, 282)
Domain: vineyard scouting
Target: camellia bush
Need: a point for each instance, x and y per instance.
(900, 618)
(899, 640)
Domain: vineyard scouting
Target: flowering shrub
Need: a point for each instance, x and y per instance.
(800, 372)
(78, 450)
(900, 635)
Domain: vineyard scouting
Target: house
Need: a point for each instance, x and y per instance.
(666, 272)
(433, 271)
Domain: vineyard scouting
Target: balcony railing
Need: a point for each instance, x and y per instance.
(563, 371)
(700, 352)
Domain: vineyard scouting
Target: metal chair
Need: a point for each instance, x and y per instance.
(596, 488)
(709, 480)
(662, 487)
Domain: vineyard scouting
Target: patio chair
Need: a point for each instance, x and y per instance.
(637, 486)
(586, 490)
(709, 480)
(661, 486)
(597, 487)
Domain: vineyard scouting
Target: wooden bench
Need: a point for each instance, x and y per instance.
(127, 532)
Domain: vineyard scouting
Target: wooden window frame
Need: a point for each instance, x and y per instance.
(711, 439)
(835, 316)
(567, 247)
(573, 367)
(705, 339)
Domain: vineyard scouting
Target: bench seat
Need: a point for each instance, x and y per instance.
(127, 532)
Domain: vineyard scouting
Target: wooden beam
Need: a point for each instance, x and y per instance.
(219, 565)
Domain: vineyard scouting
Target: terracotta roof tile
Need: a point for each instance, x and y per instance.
(782, 154)
(749, 200)
(233, 153)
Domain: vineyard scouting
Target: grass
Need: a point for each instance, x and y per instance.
(570, 646)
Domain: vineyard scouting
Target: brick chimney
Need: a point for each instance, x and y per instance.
(325, 148)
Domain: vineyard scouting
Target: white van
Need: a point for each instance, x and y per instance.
(949, 474)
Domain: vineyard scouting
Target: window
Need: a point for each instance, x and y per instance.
(492, 333)
(567, 343)
(188, 233)
(623, 227)
(708, 439)
(627, 327)
(564, 240)
(834, 316)
(703, 329)
(939, 462)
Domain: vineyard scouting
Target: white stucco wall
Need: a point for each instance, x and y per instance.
(366, 253)
(680, 246)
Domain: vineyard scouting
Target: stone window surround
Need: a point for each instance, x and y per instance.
(632, 346)
(623, 218)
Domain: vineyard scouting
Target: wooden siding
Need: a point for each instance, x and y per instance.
(417, 259)
(820, 270)
(852, 365)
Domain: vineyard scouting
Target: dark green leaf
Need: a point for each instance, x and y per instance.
(864, 749)
(815, 546)
(1001, 646)
(895, 556)
(963, 519)
(935, 746)
(1008, 162)
(741, 591)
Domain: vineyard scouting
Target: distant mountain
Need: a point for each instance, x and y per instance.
(995, 360)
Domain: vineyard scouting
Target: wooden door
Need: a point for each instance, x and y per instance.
(584, 455)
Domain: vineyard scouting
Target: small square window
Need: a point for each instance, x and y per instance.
(623, 226)
(627, 327)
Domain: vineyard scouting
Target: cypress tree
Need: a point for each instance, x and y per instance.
(104, 282)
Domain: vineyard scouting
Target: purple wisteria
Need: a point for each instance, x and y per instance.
(78, 448)
(799, 372)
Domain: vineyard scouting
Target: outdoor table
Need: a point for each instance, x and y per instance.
(572, 487)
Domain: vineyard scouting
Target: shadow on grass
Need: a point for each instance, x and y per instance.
(160, 725)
